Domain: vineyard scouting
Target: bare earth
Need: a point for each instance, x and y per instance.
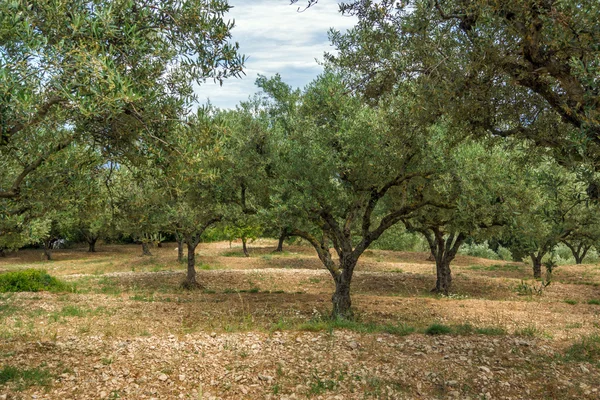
(256, 330)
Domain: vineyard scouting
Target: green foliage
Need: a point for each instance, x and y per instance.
(571, 302)
(398, 239)
(481, 250)
(595, 302)
(31, 280)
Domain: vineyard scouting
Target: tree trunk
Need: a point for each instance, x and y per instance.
(146, 249)
(537, 265)
(245, 247)
(190, 279)
(180, 249)
(47, 251)
(92, 245)
(443, 283)
(282, 237)
(2, 252)
(443, 250)
(342, 303)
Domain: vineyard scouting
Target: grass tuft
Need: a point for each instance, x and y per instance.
(438, 329)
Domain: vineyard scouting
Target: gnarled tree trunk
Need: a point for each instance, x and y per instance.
(443, 250)
(342, 303)
(536, 260)
(579, 251)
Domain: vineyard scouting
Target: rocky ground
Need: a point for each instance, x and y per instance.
(258, 329)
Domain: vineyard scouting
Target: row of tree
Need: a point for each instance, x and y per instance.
(460, 120)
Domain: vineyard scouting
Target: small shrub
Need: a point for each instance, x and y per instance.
(527, 289)
(481, 250)
(571, 302)
(438, 329)
(595, 302)
(31, 280)
(504, 253)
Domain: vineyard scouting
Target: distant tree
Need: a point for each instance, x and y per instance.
(481, 188)
(558, 208)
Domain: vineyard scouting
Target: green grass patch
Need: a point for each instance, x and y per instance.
(326, 324)
(233, 253)
(438, 329)
(571, 302)
(31, 280)
(490, 331)
(595, 302)
(25, 378)
(496, 267)
(586, 349)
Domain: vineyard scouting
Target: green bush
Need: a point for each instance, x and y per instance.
(438, 329)
(398, 239)
(481, 250)
(30, 280)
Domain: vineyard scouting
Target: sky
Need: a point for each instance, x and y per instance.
(276, 38)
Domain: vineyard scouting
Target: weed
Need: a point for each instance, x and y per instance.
(571, 302)
(398, 270)
(438, 329)
(527, 289)
(595, 302)
(529, 331)
(319, 386)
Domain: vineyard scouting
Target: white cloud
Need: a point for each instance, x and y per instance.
(277, 39)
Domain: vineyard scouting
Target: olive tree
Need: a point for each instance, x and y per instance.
(335, 161)
(481, 187)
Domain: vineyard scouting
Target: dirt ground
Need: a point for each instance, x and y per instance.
(258, 329)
